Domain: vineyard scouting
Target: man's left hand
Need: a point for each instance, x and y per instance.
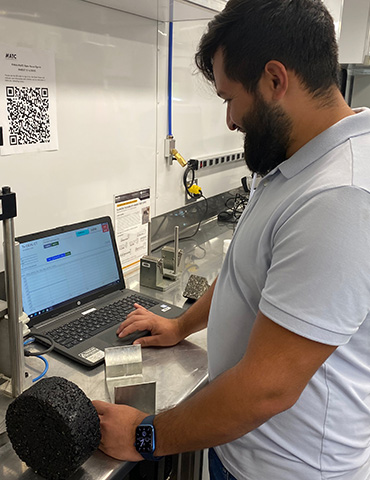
(118, 424)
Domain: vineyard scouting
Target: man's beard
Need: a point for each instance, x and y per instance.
(268, 130)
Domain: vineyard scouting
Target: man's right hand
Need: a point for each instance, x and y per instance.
(167, 332)
(164, 332)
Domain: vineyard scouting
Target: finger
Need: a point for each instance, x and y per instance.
(101, 407)
(103, 448)
(127, 322)
(131, 317)
(139, 317)
(135, 326)
(137, 305)
(138, 309)
(150, 341)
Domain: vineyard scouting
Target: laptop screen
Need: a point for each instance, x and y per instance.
(68, 265)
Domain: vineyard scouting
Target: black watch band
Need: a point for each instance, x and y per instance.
(145, 439)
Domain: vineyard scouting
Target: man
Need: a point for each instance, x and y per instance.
(288, 318)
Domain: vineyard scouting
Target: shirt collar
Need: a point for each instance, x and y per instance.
(340, 132)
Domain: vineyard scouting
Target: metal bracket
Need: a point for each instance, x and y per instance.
(161, 273)
(169, 145)
(151, 273)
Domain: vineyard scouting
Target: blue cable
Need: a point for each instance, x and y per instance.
(170, 50)
(27, 342)
(45, 369)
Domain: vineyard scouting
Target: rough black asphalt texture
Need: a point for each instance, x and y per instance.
(53, 427)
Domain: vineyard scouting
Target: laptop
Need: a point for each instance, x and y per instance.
(74, 291)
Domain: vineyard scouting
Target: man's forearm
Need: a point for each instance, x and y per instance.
(269, 379)
(196, 317)
(219, 413)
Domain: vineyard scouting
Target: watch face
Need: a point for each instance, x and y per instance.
(144, 438)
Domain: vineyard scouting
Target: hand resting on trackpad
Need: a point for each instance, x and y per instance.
(111, 338)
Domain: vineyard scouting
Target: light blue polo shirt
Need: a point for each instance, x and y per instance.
(301, 254)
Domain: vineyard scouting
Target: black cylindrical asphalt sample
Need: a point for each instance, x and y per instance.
(53, 427)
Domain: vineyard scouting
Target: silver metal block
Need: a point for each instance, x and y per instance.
(123, 372)
(140, 395)
(123, 361)
(151, 271)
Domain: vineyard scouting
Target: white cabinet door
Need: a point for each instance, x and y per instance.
(335, 8)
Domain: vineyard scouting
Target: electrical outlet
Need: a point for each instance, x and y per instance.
(220, 160)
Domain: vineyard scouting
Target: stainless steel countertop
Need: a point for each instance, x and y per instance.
(178, 371)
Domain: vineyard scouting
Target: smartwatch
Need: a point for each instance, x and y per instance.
(145, 439)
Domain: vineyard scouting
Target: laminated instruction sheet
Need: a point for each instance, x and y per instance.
(131, 221)
(28, 120)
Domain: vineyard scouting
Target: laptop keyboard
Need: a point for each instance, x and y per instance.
(87, 326)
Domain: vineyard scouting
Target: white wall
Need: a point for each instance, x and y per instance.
(199, 121)
(111, 80)
(106, 90)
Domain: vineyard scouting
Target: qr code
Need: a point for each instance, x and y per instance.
(28, 115)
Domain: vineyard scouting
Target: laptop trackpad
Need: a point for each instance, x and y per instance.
(111, 339)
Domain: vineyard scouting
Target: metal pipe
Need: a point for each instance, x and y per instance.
(12, 295)
(18, 281)
(176, 253)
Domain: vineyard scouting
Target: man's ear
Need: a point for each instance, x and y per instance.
(274, 80)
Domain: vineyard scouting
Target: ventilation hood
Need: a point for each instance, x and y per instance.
(166, 10)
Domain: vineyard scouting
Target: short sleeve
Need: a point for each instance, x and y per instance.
(318, 283)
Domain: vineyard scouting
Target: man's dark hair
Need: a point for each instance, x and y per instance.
(298, 33)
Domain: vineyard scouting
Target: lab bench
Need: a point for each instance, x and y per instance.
(178, 371)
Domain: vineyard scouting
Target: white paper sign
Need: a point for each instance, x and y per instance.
(132, 216)
(28, 120)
